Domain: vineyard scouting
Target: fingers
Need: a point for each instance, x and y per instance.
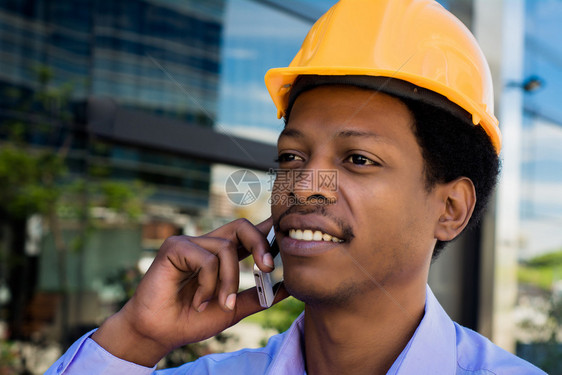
(220, 273)
(213, 260)
(251, 240)
(263, 227)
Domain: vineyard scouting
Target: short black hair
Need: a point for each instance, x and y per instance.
(452, 147)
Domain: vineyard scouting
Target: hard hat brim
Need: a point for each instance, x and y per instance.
(279, 82)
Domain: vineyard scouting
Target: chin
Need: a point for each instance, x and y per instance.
(326, 296)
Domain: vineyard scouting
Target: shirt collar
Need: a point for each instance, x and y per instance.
(290, 355)
(431, 350)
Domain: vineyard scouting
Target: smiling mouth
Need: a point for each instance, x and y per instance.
(312, 235)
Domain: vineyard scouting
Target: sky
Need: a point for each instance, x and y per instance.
(257, 38)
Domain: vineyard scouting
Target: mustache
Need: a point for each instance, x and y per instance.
(345, 229)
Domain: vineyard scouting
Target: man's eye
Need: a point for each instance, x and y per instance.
(360, 160)
(285, 158)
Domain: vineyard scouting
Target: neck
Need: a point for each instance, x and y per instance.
(366, 335)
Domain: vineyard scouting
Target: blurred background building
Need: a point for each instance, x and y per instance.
(59, 59)
(151, 105)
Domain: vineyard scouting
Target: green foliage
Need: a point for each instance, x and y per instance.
(29, 176)
(541, 271)
(280, 316)
(27, 180)
(122, 197)
(10, 358)
(54, 100)
(44, 74)
(30, 183)
(551, 259)
(125, 197)
(541, 277)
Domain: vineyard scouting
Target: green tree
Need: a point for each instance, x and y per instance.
(544, 274)
(34, 180)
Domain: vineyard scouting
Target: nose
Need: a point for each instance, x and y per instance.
(313, 186)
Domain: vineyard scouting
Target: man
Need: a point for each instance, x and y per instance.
(394, 98)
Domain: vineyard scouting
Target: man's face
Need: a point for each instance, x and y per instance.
(356, 149)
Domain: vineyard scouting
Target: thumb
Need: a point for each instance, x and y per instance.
(248, 303)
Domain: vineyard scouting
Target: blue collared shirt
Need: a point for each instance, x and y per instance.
(438, 346)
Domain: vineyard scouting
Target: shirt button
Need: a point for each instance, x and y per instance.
(60, 368)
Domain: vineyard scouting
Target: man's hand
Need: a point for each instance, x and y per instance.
(190, 293)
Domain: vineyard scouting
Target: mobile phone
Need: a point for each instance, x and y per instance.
(265, 281)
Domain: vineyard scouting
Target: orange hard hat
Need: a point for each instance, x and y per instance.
(417, 41)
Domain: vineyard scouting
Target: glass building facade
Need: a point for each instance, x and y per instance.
(541, 165)
(160, 57)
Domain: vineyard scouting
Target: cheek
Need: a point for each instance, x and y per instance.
(394, 226)
(279, 202)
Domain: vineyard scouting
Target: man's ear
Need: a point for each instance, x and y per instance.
(459, 198)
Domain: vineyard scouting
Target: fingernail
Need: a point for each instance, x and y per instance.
(268, 260)
(230, 301)
(202, 306)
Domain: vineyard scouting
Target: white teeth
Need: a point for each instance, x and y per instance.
(317, 236)
(309, 235)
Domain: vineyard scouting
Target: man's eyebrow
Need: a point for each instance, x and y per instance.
(293, 133)
(357, 133)
(346, 133)
(350, 133)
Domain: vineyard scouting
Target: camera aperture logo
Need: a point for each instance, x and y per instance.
(243, 187)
